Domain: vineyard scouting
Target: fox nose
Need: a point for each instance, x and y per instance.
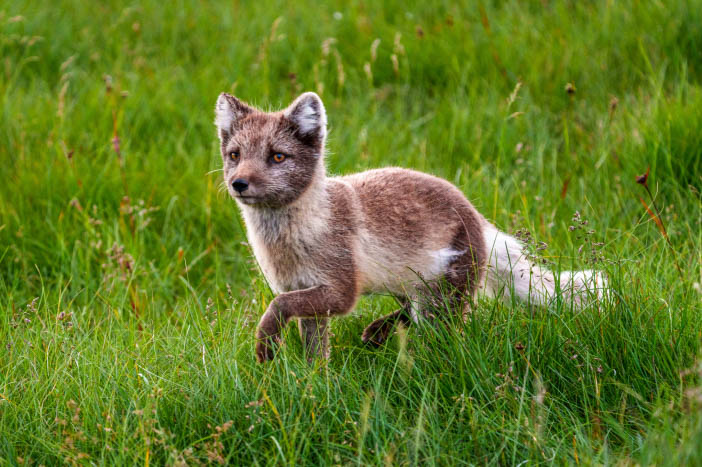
(240, 185)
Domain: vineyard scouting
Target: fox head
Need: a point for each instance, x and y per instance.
(270, 159)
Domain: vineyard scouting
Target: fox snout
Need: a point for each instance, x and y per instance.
(246, 181)
(247, 189)
(240, 185)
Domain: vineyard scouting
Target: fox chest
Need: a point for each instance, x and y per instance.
(287, 265)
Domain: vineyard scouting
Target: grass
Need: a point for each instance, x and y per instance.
(129, 297)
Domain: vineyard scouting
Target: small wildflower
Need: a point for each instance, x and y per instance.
(115, 144)
(32, 306)
(657, 218)
(74, 203)
(643, 179)
(257, 403)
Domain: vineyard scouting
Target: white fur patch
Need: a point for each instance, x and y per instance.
(442, 259)
(307, 119)
(308, 114)
(509, 270)
(383, 268)
(224, 113)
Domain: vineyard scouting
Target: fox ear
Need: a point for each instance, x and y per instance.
(228, 110)
(308, 115)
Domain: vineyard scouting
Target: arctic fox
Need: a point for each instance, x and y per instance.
(323, 241)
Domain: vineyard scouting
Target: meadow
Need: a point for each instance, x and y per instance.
(129, 296)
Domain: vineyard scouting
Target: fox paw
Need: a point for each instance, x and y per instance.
(267, 338)
(266, 347)
(376, 333)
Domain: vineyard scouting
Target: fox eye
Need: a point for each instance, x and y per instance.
(279, 157)
(234, 155)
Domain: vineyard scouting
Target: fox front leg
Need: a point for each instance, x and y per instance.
(318, 302)
(315, 337)
(268, 333)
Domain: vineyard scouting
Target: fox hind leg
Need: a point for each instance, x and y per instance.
(462, 279)
(454, 291)
(377, 332)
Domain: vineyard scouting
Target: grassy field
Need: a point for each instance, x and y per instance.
(129, 298)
